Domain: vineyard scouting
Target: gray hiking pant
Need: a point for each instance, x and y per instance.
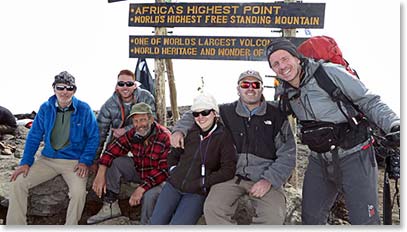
(123, 167)
(359, 185)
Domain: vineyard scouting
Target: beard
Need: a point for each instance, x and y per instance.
(146, 130)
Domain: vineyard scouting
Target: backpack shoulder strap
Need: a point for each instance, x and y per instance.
(336, 94)
(325, 82)
(284, 103)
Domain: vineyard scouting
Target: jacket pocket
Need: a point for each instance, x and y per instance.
(77, 136)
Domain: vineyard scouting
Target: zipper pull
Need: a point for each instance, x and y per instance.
(203, 170)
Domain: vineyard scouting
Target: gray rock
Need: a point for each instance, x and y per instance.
(119, 221)
(48, 198)
(48, 202)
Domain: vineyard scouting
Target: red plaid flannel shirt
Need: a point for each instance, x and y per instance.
(150, 157)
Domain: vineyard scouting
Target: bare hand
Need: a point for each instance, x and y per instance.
(260, 188)
(118, 132)
(177, 139)
(99, 185)
(81, 170)
(136, 196)
(22, 169)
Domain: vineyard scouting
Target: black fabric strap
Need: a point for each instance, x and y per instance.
(336, 94)
(387, 209)
(337, 170)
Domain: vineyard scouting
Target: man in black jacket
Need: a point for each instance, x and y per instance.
(266, 155)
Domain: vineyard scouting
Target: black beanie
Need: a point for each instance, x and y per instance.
(282, 44)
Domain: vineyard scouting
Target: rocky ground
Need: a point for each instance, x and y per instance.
(47, 202)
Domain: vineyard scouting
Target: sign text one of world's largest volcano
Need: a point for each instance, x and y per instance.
(201, 47)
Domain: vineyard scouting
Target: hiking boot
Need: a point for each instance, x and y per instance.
(108, 211)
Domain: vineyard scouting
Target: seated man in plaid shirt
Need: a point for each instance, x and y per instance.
(149, 142)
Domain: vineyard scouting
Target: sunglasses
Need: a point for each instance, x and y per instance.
(67, 87)
(125, 83)
(203, 113)
(247, 84)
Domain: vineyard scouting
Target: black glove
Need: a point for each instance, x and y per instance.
(393, 166)
(393, 138)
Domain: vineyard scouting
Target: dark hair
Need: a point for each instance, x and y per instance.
(127, 72)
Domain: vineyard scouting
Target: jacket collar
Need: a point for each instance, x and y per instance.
(242, 110)
(74, 104)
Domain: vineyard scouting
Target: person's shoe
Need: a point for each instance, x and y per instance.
(108, 211)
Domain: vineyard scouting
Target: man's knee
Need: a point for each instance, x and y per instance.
(77, 191)
(217, 202)
(210, 205)
(121, 161)
(77, 194)
(273, 216)
(20, 183)
(151, 196)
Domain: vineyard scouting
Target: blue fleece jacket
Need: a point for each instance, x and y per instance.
(83, 135)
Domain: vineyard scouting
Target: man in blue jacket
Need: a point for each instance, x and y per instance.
(70, 133)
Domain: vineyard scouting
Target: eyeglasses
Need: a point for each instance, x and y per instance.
(127, 83)
(67, 87)
(247, 84)
(203, 113)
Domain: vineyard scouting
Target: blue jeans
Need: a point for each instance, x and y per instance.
(177, 208)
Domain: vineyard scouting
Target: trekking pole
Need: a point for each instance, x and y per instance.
(392, 171)
(387, 206)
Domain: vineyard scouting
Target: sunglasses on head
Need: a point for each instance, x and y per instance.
(127, 83)
(203, 113)
(67, 87)
(247, 84)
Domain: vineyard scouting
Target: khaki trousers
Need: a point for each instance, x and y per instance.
(42, 170)
(221, 204)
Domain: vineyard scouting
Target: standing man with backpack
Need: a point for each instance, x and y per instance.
(342, 156)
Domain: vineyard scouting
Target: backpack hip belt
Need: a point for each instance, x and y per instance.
(326, 136)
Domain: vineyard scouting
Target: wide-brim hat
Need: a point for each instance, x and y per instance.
(140, 108)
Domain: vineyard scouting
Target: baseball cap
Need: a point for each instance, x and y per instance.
(250, 73)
